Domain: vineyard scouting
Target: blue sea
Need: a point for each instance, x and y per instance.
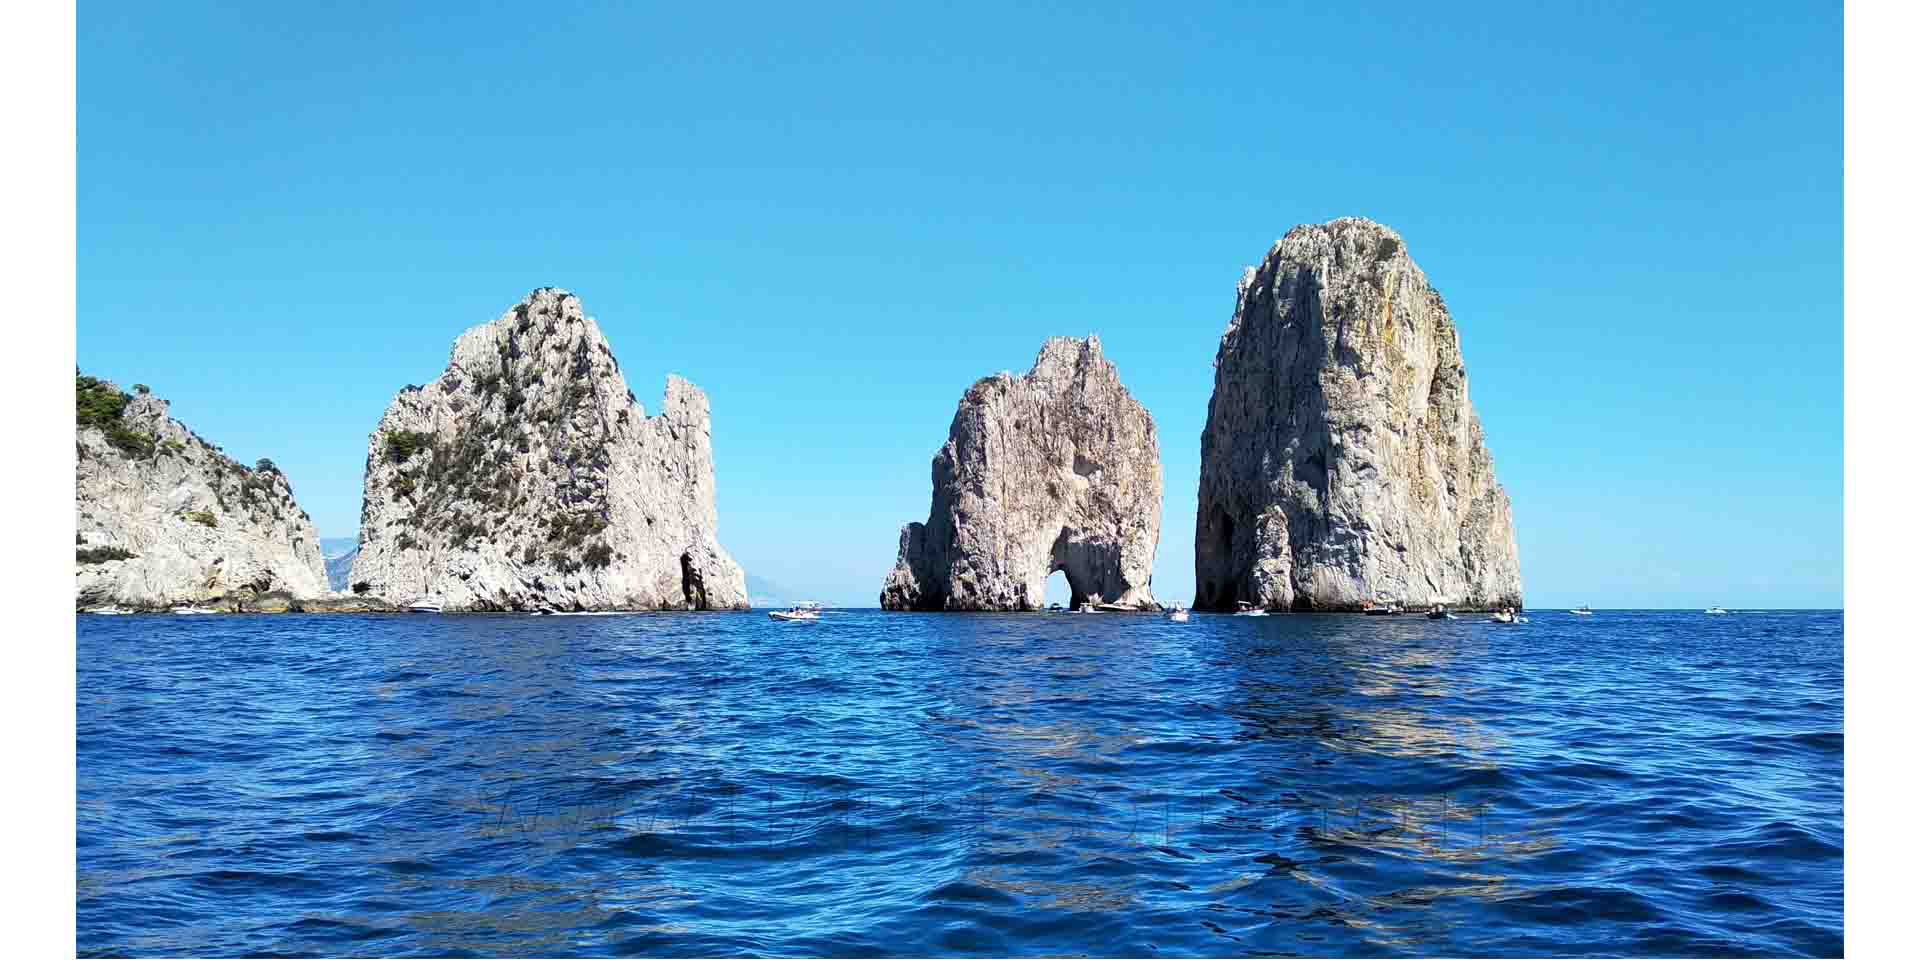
(1631, 783)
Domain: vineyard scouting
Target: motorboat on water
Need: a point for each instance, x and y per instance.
(424, 605)
(1380, 610)
(1249, 610)
(1582, 611)
(108, 611)
(806, 611)
(1113, 608)
(194, 611)
(1177, 614)
(1716, 610)
(1439, 612)
(1506, 615)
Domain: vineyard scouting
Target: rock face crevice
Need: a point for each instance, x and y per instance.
(1341, 462)
(528, 477)
(1058, 469)
(164, 518)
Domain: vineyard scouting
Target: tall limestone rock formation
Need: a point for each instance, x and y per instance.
(1341, 462)
(528, 477)
(1055, 470)
(165, 519)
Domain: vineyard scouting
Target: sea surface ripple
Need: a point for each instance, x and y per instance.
(1638, 783)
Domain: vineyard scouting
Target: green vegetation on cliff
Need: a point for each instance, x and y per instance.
(403, 444)
(96, 403)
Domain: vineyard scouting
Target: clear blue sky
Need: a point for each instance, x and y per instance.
(834, 219)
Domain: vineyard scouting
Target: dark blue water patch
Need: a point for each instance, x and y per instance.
(1634, 783)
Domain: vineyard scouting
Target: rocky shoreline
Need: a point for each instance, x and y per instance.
(525, 477)
(1342, 467)
(164, 517)
(267, 603)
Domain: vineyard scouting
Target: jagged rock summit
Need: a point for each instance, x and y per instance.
(1341, 463)
(165, 519)
(528, 477)
(1055, 470)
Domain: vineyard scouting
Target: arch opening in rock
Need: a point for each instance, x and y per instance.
(1064, 447)
(1081, 563)
(1058, 590)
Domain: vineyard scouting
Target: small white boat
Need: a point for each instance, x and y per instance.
(1502, 616)
(1177, 615)
(194, 611)
(108, 611)
(1716, 609)
(1582, 611)
(803, 612)
(1249, 610)
(424, 605)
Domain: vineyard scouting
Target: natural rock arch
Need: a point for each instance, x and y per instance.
(1056, 470)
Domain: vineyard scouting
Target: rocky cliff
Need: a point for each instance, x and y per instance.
(527, 476)
(1341, 461)
(1055, 470)
(164, 518)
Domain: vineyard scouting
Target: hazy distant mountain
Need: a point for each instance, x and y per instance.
(339, 553)
(762, 592)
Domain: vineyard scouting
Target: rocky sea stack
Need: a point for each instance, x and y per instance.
(1342, 463)
(1055, 470)
(166, 519)
(528, 477)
